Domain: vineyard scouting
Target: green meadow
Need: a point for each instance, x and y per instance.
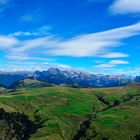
(65, 112)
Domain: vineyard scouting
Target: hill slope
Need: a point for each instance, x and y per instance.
(28, 83)
(78, 113)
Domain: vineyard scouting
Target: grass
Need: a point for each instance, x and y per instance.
(64, 108)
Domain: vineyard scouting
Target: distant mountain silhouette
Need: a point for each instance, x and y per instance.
(66, 77)
(56, 76)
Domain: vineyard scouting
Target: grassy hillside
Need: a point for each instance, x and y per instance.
(2, 89)
(73, 113)
(28, 83)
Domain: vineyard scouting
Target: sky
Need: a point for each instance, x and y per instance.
(97, 36)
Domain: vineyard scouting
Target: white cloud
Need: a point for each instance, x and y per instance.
(115, 55)
(117, 62)
(23, 57)
(125, 7)
(40, 43)
(20, 33)
(42, 31)
(30, 66)
(94, 44)
(119, 71)
(112, 63)
(63, 66)
(6, 42)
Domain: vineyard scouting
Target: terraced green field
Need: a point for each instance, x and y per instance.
(78, 114)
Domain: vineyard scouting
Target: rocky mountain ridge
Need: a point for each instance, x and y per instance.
(69, 77)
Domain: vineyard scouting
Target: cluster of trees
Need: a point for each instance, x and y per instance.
(16, 125)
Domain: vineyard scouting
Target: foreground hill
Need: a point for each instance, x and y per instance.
(65, 113)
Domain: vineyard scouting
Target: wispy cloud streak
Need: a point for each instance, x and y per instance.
(125, 7)
(86, 45)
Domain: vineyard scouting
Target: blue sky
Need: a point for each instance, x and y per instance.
(98, 36)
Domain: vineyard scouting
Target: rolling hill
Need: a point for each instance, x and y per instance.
(66, 113)
(28, 83)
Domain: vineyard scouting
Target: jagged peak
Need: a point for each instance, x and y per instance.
(53, 70)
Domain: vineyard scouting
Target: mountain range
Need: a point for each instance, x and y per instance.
(67, 77)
